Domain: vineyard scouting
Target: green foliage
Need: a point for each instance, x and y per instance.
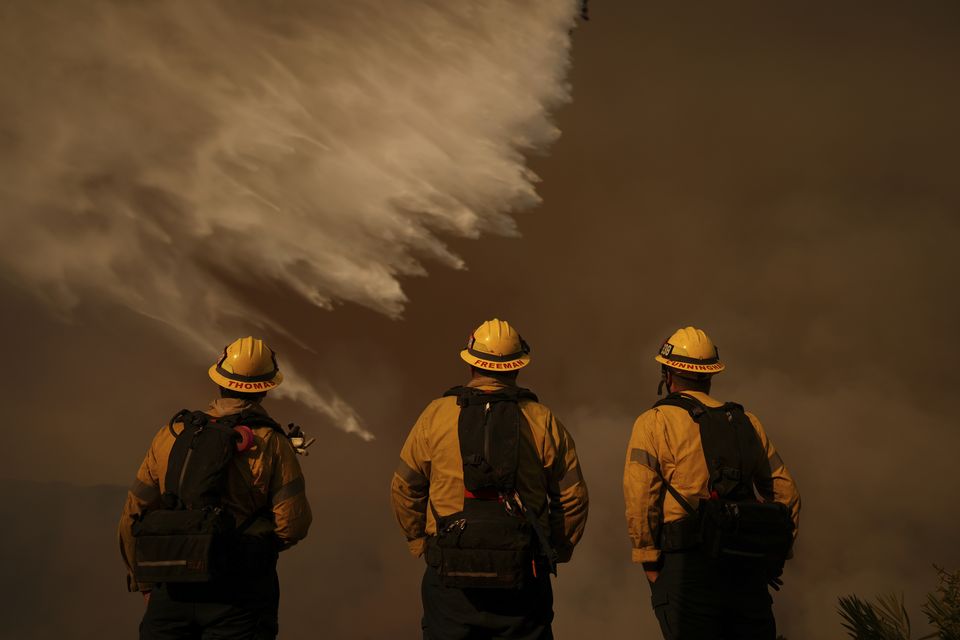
(943, 606)
(885, 620)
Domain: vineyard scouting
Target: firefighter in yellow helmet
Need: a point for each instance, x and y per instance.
(218, 495)
(490, 492)
(694, 468)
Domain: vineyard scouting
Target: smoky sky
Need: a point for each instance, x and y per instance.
(784, 177)
(171, 158)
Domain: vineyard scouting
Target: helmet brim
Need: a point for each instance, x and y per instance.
(492, 365)
(242, 386)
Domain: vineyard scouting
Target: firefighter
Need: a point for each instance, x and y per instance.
(489, 490)
(689, 459)
(263, 495)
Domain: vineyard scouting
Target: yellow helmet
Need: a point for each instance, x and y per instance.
(247, 365)
(496, 346)
(690, 349)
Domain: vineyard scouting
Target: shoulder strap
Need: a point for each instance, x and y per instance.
(676, 494)
(696, 409)
(254, 420)
(185, 416)
(488, 428)
(727, 440)
(467, 396)
(688, 403)
(177, 460)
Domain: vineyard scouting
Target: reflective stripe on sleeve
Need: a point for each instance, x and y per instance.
(775, 461)
(570, 478)
(644, 458)
(411, 476)
(293, 488)
(144, 491)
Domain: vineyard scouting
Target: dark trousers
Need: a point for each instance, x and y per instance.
(487, 614)
(697, 598)
(239, 610)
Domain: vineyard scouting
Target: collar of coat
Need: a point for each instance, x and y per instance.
(704, 398)
(229, 406)
(488, 383)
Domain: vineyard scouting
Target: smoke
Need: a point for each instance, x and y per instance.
(173, 156)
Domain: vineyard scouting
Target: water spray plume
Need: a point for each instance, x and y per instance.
(154, 152)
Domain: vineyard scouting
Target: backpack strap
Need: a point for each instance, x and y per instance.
(728, 440)
(467, 396)
(246, 418)
(696, 409)
(185, 416)
(691, 405)
(254, 420)
(179, 454)
(488, 427)
(677, 496)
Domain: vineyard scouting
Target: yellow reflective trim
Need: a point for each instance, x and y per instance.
(411, 476)
(644, 458)
(775, 461)
(144, 491)
(570, 478)
(292, 489)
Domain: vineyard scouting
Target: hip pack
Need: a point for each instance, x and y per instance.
(732, 523)
(191, 538)
(494, 542)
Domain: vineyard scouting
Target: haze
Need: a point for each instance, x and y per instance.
(784, 177)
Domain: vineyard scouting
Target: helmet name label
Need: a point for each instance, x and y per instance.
(250, 386)
(695, 367)
(486, 364)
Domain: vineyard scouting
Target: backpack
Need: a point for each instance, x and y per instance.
(191, 538)
(732, 523)
(494, 542)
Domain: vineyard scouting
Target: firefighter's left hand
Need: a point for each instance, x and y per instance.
(775, 583)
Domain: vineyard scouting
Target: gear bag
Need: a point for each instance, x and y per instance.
(191, 538)
(732, 522)
(491, 543)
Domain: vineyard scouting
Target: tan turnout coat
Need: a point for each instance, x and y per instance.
(268, 473)
(549, 478)
(668, 438)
